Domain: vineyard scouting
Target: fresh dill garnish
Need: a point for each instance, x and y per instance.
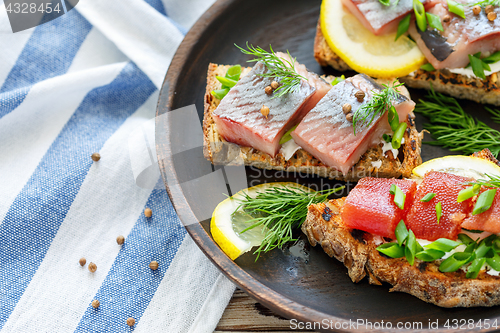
(281, 69)
(379, 103)
(454, 129)
(280, 209)
(493, 181)
(484, 3)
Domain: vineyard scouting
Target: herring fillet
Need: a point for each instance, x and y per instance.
(238, 117)
(327, 135)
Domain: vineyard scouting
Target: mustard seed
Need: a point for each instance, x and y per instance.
(349, 117)
(269, 90)
(492, 16)
(120, 240)
(265, 111)
(96, 157)
(488, 9)
(130, 321)
(148, 212)
(359, 95)
(275, 85)
(92, 267)
(95, 304)
(153, 265)
(82, 261)
(346, 108)
(476, 9)
(446, 18)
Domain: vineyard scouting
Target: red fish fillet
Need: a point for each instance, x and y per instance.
(486, 221)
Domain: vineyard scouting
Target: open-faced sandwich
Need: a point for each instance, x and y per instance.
(452, 46)
(436, 237)
(278, 115)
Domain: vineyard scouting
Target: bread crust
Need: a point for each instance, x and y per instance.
(357, 250)
(456, 85)
(218, 151)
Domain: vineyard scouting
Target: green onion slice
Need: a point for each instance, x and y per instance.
(228, 83)
(392, 250)
(494, 262)
(403, 26)
(411, 247)
(401, 232)
(434, 21)
(496, 245)
(470, 248)
(492, 58)
(454, 262)
(439, 211)
(221, 93)
(287, 136)
(442, 244)
(393, 118)
(338, 79)
(427, 67)
(234, 72)
(385, 2)
(482, 250)
(428, 197)
(429, 255)
(456, 8)
(398, 135)
(477, 66)
(474, 268)
(419, 10)
(399, 196)
(468, 192)
(387, 138)
(484, 201)
(465, 239)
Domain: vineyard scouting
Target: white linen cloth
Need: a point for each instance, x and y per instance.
(88, 82)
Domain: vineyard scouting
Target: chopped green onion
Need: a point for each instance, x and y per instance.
(226, 82)
(234, 72)
(474, 268)
(419, 10)
(221, 93)
(428, 197)
(387, 138)
(411, 247)
(484, 201)
(471, 247)
(392, 250)
(496, 245)
(398, 135)
(287, 136)
(434, 21)
(494, 262)
(443, 244)
(465, 239)
(427, 67)
(456, 8)
(477, 66)
(338, 79)
(482, 250)
(401, 232)
(403, 26)
(454, 262)
(429, 255)
(393, 118)
(468, 192)
(399, 196)
(439, 211)
(492, 58)
(385, 2)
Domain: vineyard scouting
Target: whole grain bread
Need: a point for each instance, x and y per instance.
(456, 85)
(373, 163)
(357, 250)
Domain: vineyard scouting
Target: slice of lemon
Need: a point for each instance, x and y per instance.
(465, 166)
(226, 227)
(378, 56)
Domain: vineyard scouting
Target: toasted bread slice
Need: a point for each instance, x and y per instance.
(373, 163)
(456, 85)
(357, 250)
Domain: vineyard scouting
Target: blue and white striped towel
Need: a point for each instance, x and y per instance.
(84, 83)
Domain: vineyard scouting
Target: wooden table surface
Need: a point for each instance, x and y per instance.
(244, 314)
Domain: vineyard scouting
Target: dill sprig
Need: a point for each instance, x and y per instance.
(379, 104)
(283, 70)
(484, 3)
(280, 209)
(455, 129)
(493, 181)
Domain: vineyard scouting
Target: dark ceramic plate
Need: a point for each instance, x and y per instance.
(309, 287)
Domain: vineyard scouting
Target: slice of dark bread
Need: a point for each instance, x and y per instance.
(357, 250)
(456, 85)
(218, 151)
